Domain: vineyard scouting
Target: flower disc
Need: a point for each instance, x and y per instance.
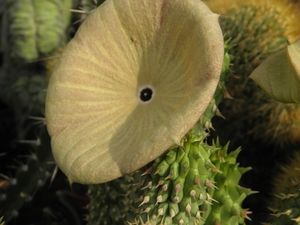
(132, 82)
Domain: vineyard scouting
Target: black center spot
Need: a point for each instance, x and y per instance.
(146, 94)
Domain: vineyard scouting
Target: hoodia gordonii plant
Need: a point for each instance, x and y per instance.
(122, 95)
(143, 100)
(195, 183)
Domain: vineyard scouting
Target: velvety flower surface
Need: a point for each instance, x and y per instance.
(132, 82)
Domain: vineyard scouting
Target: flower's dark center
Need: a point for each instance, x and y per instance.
(146, 94)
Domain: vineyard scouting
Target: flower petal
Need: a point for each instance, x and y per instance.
(279, 75)
(132, 82)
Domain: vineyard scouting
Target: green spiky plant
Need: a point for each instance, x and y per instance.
(39, 162)
(194, 185)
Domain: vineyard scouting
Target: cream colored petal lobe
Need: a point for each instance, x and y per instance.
(99, 125)
(276, 76)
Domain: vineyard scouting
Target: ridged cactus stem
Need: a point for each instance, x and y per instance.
(194, 184)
